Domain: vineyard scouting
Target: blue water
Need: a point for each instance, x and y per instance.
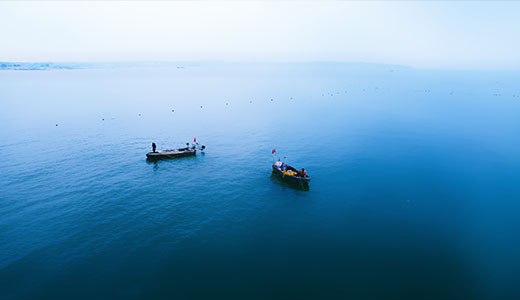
(414, 191)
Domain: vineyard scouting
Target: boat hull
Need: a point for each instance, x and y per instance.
(289, 178)
(170, 154)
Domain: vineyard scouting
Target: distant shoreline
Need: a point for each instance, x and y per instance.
(20, 66)
(49, 66)
(42, 66)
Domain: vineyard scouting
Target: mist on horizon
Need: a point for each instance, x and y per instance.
(461, 35)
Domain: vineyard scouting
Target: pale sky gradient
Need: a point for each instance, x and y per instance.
(424, 34)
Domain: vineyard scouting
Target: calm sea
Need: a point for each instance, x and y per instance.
(414, 194)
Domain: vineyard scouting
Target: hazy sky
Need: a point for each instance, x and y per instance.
(430, 34)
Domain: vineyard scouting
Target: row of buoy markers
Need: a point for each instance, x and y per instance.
(332, 94)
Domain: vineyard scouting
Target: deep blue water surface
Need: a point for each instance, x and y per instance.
(415, 183)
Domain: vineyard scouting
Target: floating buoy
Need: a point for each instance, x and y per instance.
(201, 106)
(173, 110)
(227, 103)
(271, 99)
(139, 115)
(102, 119)
(250, 101)
(56, 124)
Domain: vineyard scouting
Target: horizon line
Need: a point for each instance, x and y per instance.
(214, 61)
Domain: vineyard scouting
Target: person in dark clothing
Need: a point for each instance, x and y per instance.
(153, 147)
(303, 173)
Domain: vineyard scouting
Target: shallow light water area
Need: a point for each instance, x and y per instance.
(413, 194)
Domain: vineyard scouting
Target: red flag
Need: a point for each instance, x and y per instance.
(194, 140)
(274, 150)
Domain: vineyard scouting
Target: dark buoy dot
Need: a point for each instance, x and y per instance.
(56, 124)
(227, 103)
(250, 101)
(271, 99)
(102, 119)
(201, 106)
(173, 110)
(139, 115)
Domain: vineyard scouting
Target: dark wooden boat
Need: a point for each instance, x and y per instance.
(173, 153)
(290, 174)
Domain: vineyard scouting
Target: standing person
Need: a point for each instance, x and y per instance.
(153, 147)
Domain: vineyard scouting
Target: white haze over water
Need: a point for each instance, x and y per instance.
(423, 34)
